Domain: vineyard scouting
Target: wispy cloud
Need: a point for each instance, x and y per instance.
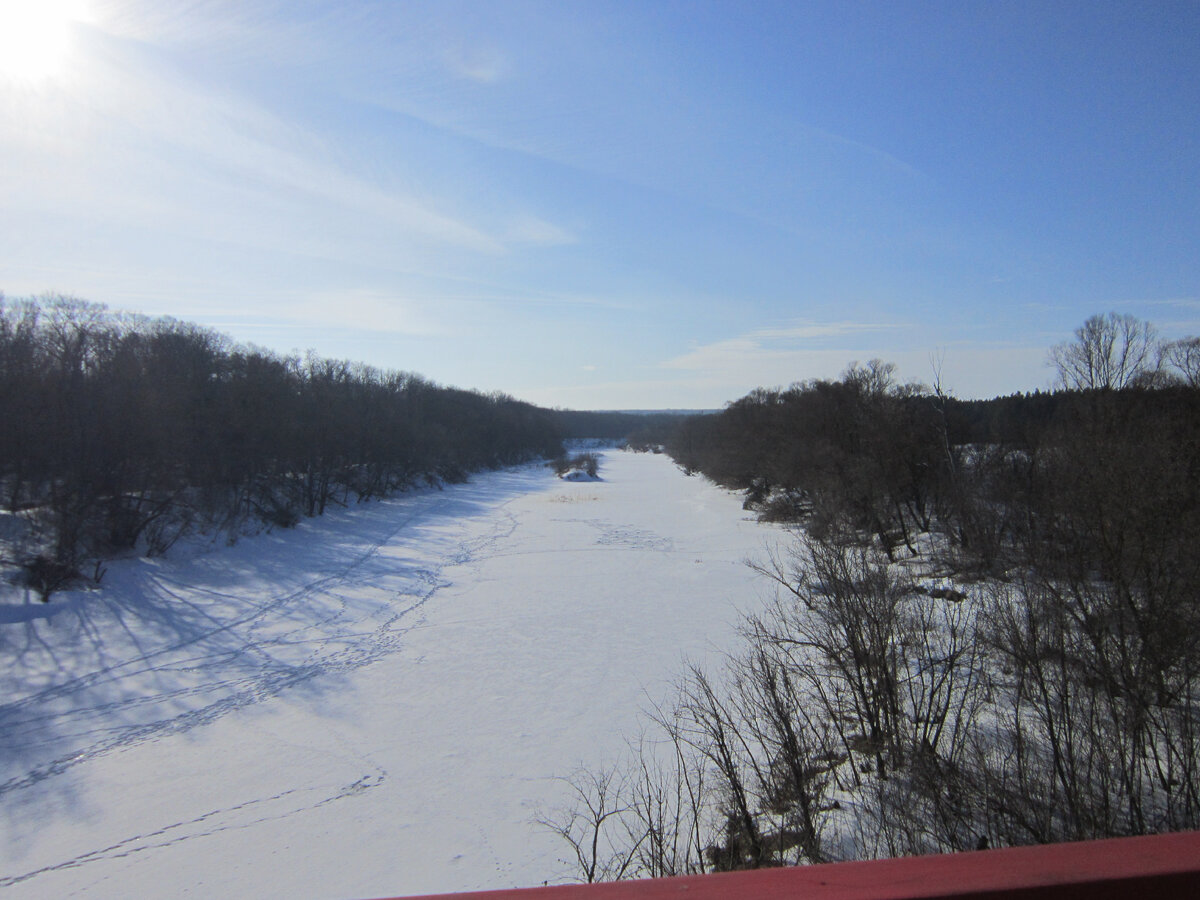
(369, 310)
(230, 139)
(967, 370)
(533, 230)
(215, 25)
(163, 146)
(480, 64)
(808, 330)
(880, 156)
(773, 346)
(422, 307)
(1178, 302)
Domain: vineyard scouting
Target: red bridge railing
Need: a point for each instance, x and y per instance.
(1158, 867)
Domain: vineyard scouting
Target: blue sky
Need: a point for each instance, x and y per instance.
(614, 205)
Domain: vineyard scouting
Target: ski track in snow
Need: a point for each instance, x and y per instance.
(168, 648)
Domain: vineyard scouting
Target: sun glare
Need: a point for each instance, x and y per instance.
(35, 37)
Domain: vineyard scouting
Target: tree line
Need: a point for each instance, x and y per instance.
(986, 630)
(123, 432)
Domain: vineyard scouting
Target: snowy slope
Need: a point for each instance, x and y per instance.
(374, 703)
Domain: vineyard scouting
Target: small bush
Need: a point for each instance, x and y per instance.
(582, 463)
(46, 575)
(588, 463)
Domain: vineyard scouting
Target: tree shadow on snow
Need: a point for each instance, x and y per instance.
(170, 645)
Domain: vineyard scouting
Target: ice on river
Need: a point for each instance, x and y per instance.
(374, 703)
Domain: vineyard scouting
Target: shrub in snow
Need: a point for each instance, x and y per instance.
(47, 575)
(582, 466)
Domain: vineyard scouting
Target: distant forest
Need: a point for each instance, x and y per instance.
(121, 433)
(986, 630)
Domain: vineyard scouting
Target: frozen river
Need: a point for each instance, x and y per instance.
(374, 703)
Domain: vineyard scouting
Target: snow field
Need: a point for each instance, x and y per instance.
(374, 703)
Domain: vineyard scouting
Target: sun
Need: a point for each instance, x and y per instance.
(36, 37)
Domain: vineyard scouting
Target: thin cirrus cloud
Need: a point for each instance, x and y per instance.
(157, 133)
(482, 65)
(426, 308)
(509, 192)
(1185, 313)
(367, 309)
(531, 230)
(239, 144)
(771, 345)
(960, 369)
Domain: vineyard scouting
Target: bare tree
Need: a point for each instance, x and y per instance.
(796, 746)
(709, 721)
(588, 824)
(122, 431)
(841, 621)
(1110, 352)
(667, 796)
(1184, 355)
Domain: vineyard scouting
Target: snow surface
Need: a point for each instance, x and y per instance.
(374, 703)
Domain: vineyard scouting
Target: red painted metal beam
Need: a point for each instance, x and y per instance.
(1156, 867)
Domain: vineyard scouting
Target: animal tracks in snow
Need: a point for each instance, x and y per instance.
(169, 646)
(367, 705)
(634, 538)
(243, 815)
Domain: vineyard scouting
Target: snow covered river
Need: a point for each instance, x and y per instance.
(374, 703)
